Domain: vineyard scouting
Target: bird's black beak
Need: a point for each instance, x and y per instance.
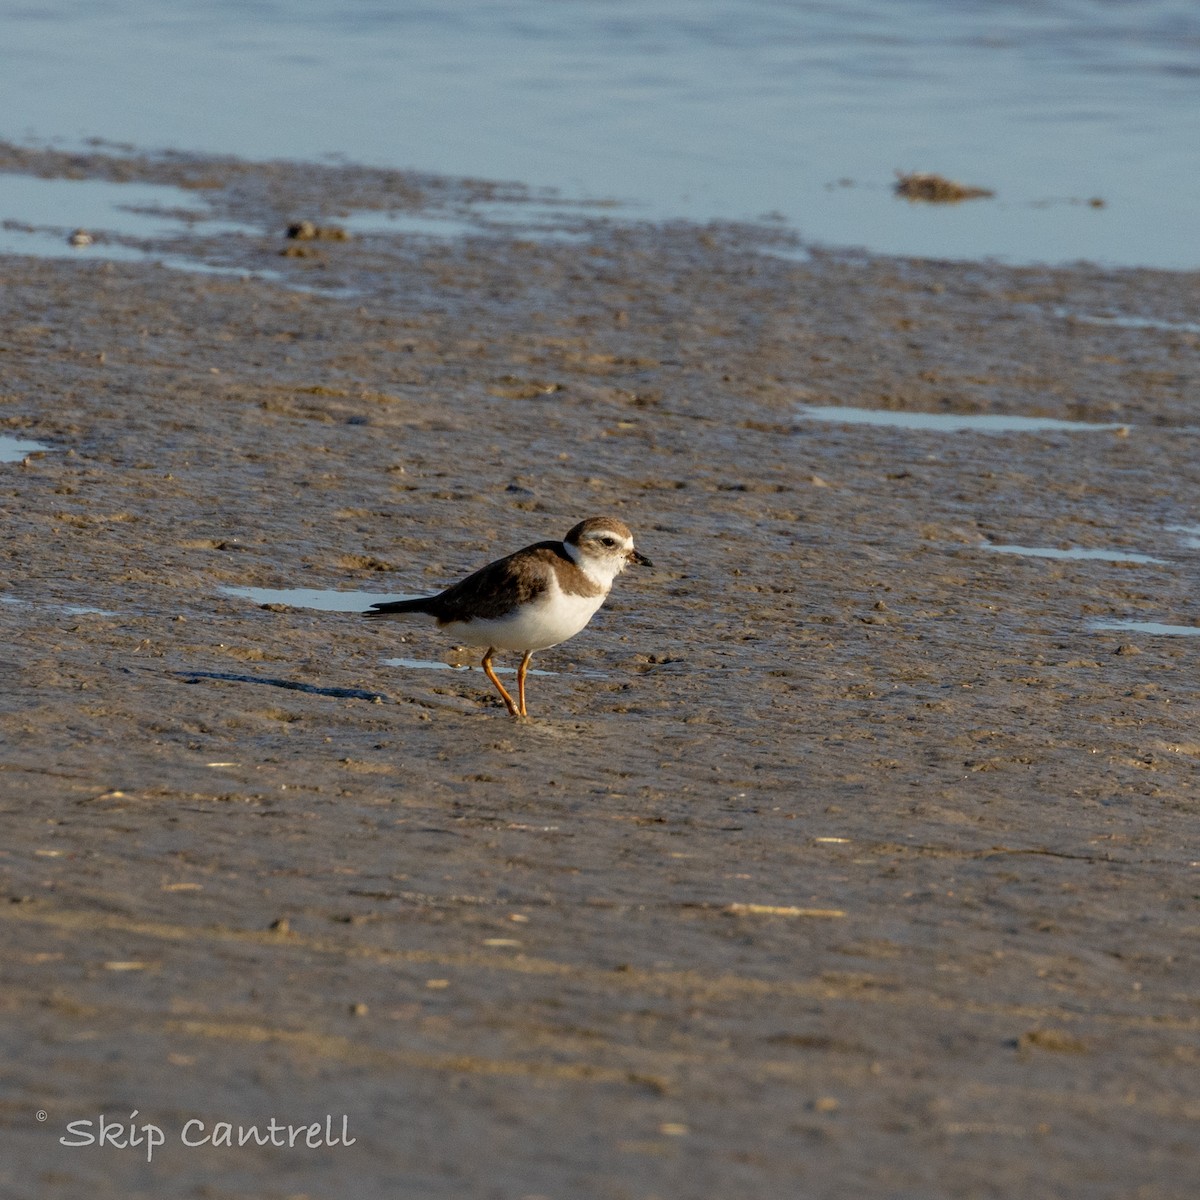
(638, 559)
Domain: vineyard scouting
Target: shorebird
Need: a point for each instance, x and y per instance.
(530, 600)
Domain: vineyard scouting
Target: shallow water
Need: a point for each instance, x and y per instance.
(1191, 535)
(946, 422)
(682, 108)
(37, 216)
(14, 449)
(524, 218)
(1125, 321)
(1072, 552)
(1156, 628)
(70, 610)
(324, 599)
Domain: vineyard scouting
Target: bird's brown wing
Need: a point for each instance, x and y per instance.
(495, 590)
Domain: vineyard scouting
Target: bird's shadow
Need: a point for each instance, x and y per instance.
(291, 684)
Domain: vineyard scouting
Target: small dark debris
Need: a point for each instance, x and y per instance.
(308, 231)
(510, 387)
(1054, 1040)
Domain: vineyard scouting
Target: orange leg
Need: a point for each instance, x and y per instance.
(487, 667)
(521, 681)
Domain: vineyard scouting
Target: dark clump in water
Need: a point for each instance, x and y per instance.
(308, 231)
(930, 188)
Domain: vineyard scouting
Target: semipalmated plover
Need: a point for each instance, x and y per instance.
(532, 599)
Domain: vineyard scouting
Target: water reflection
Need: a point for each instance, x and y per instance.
(323, 599)
(1150, 627)
(15, 449)
(1072, 552)
(947, 422)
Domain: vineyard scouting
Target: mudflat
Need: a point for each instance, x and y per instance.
(844, 855)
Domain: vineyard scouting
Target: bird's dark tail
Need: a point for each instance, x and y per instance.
(395, 608)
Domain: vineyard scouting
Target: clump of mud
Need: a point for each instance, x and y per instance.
(310, 231)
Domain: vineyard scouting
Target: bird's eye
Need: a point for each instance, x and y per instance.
(608, 541)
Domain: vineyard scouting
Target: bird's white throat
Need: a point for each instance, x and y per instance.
(600, 569)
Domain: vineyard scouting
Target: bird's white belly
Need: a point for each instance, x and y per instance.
(552, 618)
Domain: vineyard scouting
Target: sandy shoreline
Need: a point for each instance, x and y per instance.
(513, 955)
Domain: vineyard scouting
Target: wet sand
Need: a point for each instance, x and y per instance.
(843, 857)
